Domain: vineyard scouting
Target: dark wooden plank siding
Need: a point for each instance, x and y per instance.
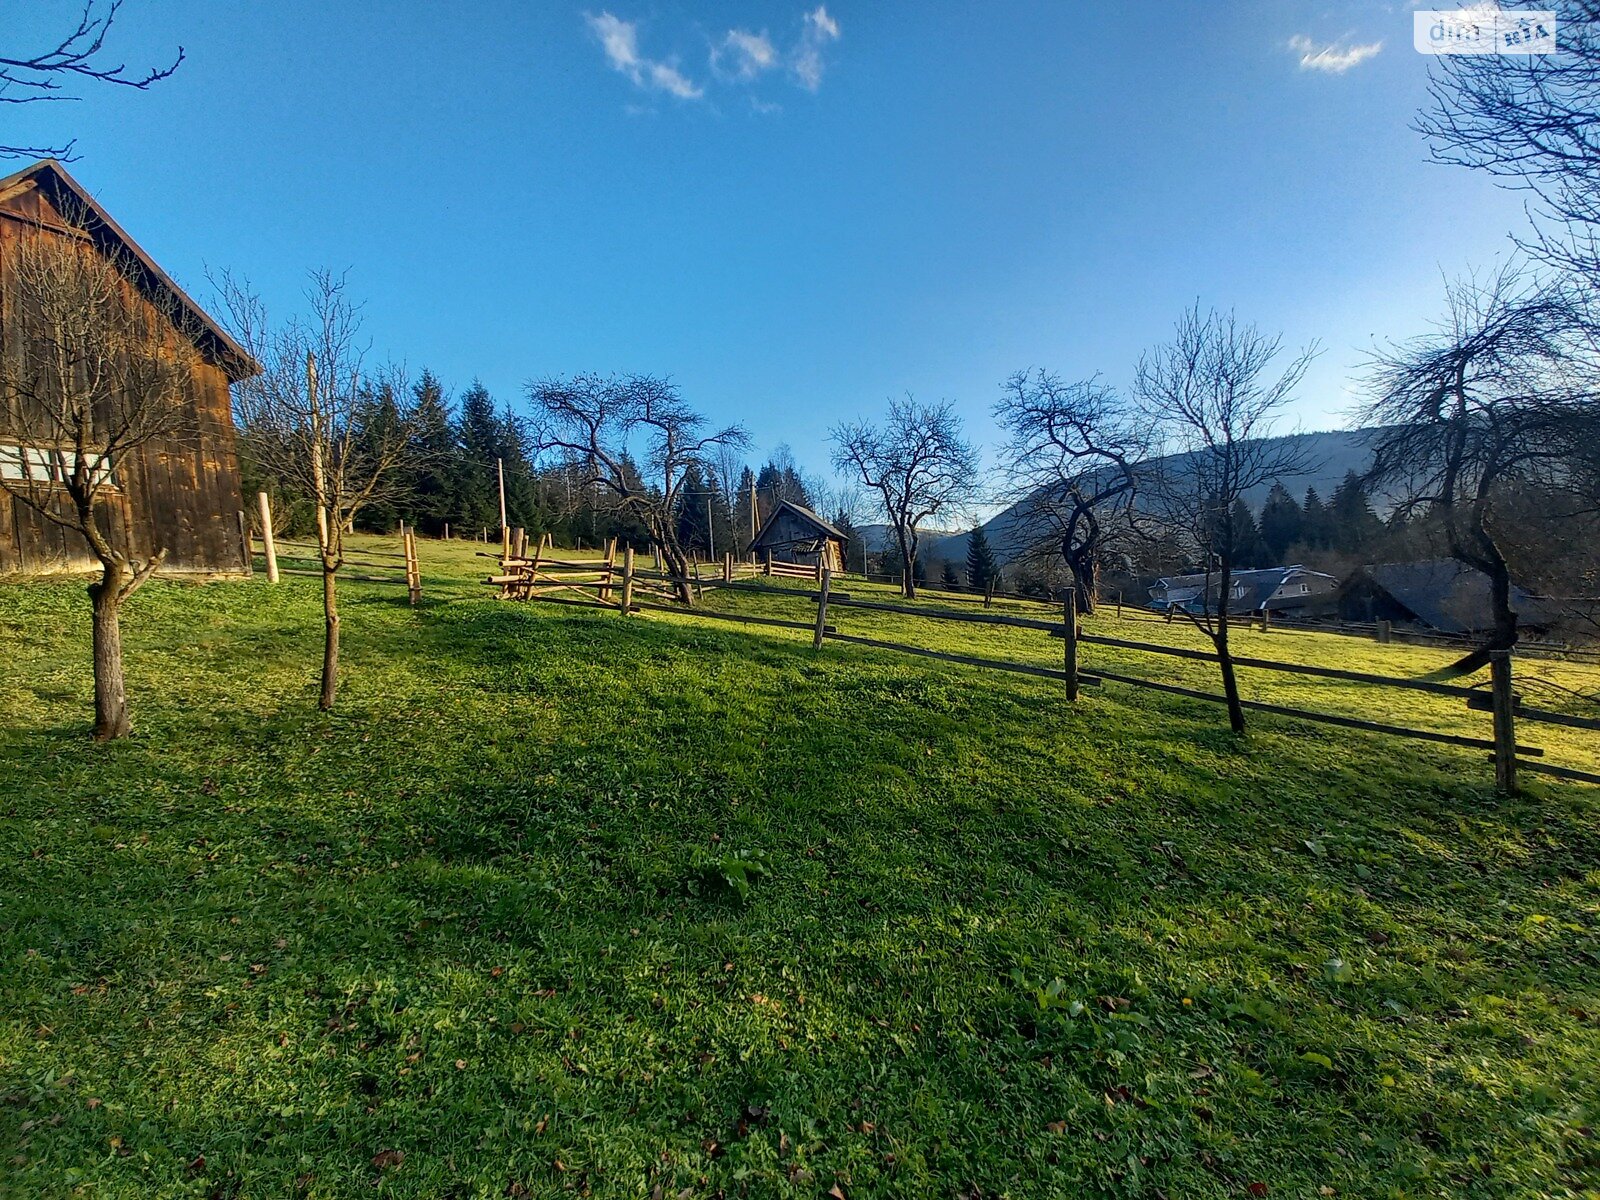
(181, 494)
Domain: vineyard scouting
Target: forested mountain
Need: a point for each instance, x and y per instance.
(1329, 456)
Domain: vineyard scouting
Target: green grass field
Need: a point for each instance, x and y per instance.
(561, 903)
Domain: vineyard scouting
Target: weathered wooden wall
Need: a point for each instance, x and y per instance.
(786, 530)
(181, 493)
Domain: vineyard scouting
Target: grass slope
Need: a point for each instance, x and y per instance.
(479, 932)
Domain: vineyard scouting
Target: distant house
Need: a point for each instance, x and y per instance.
(1441, 594)
(795, 534)
(1279, 590)
(179, 492)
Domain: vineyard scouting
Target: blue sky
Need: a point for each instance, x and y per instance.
(829, 207)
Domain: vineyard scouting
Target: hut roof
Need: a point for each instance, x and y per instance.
(66, 193)
(805, 515)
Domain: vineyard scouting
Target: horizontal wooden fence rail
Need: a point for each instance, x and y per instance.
(272, 548)
(966, 660)
(526, 579)
(1267, 664)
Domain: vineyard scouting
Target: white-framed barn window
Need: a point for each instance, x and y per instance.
(39, 465)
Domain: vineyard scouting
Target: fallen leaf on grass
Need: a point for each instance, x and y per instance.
(385, 1159)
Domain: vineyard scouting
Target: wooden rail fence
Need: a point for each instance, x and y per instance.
(401, 569)
(528, 579)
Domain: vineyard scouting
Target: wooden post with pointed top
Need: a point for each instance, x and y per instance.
(268, 545)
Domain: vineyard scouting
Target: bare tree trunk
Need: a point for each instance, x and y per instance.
(1085, 571)
(1230, 684)
(677, 564)
(330, 642)
(908, 561)
(110, 690)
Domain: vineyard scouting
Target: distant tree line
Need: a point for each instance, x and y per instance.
(448, 481)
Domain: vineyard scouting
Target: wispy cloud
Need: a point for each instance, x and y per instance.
(620, 41)
(1335, 58)
(741, 55)
(817, 32)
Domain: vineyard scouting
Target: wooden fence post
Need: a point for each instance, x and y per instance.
(988, 594)
(627, 580)
(1266, 618)
(700, 592)
(656, 550)
(1069, 632)
(268, 545)
(246, 544)
(611, 564)
(413, 571)
(447, 531)
(824, 577)
(1385, 632)
(727, 567)
(767, 563)
(1119, 605)
(1505, 722)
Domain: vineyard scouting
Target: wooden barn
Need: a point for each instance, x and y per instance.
(795, 534)
(180, 493)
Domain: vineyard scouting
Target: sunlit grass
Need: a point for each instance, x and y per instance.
(472, 934)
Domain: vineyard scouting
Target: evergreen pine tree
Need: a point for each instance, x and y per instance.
(435, 458)
(949, 579)
(1316, 532)
(480, 435)
(1248, 550)
(377, 420)
(981, 567)
(694, 513)
(1282, 524)
(1356, 528)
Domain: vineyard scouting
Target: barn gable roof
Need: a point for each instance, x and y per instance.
(1445, 594)
(806, 516)
(65, 192)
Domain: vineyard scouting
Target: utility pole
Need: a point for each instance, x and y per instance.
(500, 469)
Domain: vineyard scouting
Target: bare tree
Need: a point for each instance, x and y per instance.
(98, 372)
(1071, 464)
(1499, 397)
(1533, 121)
(28, 77)
(305, 417)
(595, 420)
(918, 462)
(1212, 401)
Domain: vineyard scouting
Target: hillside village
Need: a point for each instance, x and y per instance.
(615, 784)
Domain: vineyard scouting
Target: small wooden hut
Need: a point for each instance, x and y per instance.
(179, 493)
(795, 534)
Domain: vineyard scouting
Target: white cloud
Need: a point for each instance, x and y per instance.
(1333, 57)
(817, 31)
(743, 55)
(620, 41)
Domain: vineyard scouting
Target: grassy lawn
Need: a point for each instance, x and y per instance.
(559, 903)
